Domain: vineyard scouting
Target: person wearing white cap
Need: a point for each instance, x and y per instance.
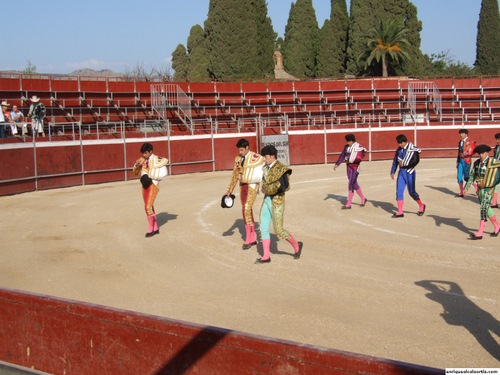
(37, 113)
(2, 121)
(8, 118)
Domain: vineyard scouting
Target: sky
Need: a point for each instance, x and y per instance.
(59, 37)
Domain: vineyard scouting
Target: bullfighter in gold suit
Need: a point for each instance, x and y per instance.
(275, 183)
(248, 171)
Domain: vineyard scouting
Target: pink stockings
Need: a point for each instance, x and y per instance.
(250, 237)
(152, 224)
(350, 196)
(266, 247)
(401, 204)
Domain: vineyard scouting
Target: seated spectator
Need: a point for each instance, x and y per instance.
(2, 124)
(7, 119)
(18, 117)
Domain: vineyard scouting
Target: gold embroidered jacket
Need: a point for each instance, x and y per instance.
(271, 180)
(486, 174)
(248, 172)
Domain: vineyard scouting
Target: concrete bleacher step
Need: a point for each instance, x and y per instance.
(378, 101)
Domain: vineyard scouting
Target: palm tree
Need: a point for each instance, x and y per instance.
(388, 44)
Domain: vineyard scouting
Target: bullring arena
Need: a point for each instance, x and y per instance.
(412, 290)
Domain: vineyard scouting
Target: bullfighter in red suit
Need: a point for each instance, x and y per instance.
(152, 169)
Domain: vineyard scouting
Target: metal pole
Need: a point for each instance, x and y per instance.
(81, 156)
(370, 141)
(258, 125)
(213, 150)
(122, 132)
(34, 159)
(168, 145)
(325, 143)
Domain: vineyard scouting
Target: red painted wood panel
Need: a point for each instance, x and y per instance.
(202, 87)
(36, 84)
(229, 87)
(121, 86)
(104, 157)
(68, 337)
(307, 149)
(280, 86)
(307, 85)
(66, 84)
(186, 151)
(17, 163)
(93, 84)
(55, 160)
(254, 87)
(10, 84)
(386, 83)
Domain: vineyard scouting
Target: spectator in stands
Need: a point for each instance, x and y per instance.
(247, 171)
(352, 154)
(486, 173)
(275, 183)
(18, 117)
(464, 158)
(37, 113)
(7, 119)
(496, 156)
(406, 158)
(149, 166)
(2, 124)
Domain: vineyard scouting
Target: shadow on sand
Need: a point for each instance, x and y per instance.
(461, 311)
(164, 217)
(470, 196)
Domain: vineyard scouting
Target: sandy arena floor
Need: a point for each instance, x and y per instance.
(412, 289)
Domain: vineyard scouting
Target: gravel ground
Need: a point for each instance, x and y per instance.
(413, 289)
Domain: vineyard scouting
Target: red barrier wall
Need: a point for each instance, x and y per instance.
(68, 337)
(10, 83)
(68, 84)
(35, 84)
(307, 149)
(190, 154)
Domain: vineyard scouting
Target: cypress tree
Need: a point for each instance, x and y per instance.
(232, 39)
(266, 39)
(300, 47)
(416, 63)
(180, 63)
(360, 22)
(333, 41)
(326, 60)
(488, 38)
(198, 54)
